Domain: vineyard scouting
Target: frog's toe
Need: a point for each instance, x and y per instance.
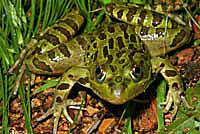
(168, 102)
(175, 98)
(69, 102)
(44, 116)
(186, 103)
(57, 109)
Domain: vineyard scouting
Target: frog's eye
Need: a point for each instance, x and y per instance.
(136, 73)
(100, 74)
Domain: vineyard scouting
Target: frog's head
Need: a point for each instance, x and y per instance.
(125, 76)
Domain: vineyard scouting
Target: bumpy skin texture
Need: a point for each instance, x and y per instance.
(117, 62)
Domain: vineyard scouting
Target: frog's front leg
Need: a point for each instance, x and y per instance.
(61, 101)
(176, 91)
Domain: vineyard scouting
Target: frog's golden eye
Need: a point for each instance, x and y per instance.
(100, 74)
(136, 73)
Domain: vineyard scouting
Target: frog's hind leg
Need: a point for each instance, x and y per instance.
(62, 91)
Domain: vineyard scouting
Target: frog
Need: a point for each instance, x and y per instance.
(117, 62)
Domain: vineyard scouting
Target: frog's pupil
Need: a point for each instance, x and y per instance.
(137, 70)
(98, 70)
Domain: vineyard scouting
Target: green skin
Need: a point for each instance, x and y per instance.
(117, 62)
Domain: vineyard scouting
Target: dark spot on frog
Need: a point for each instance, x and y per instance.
(63, 86)
(88, 54)
(130, 46)
(124, 65)
(157, 19)
(82, 42)
(41, 65)
(95, 45)
(120, 42)
(118, 79)
(160, 32)
(37, 50)
(111, 43)
(144, 31)
(131, 12)
(88, 47)
(126, 35)
(64, 50)
(83, 80)
(105, 51)
(120, 53)
(122, 61)
(175, 85)
(123, 26)
(120, 13)
(111, 29)
(182, 94)
(110, 59)
(92, 38)
(69, 22)
(102, 36)
(170, 73)
(133, 38)
(70, 76)
(95, 56)
(51, 54)
(174, 24)
(63, 31)
(110, 83)
(113, 68)
(178, 38)
(58, 99)
(142, 16)
(131, 55)
(50, 38)
(125, 85)
(132, 28)
(162, 65)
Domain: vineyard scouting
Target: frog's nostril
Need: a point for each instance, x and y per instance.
(117, 92)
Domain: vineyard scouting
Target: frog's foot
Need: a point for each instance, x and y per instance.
(172, 97)
(61, 101)
(175, 97)
(176, 93)
(59, 107)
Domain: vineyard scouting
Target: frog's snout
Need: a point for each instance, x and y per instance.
(117, 85)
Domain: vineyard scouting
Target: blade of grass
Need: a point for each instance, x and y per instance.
(65, 6)
(26, 110)
(30, 29)
(127, 129)
(161, 91)
(49, 84)
(39, 18)
(83, 6)
(47, 13)
(4, 88)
